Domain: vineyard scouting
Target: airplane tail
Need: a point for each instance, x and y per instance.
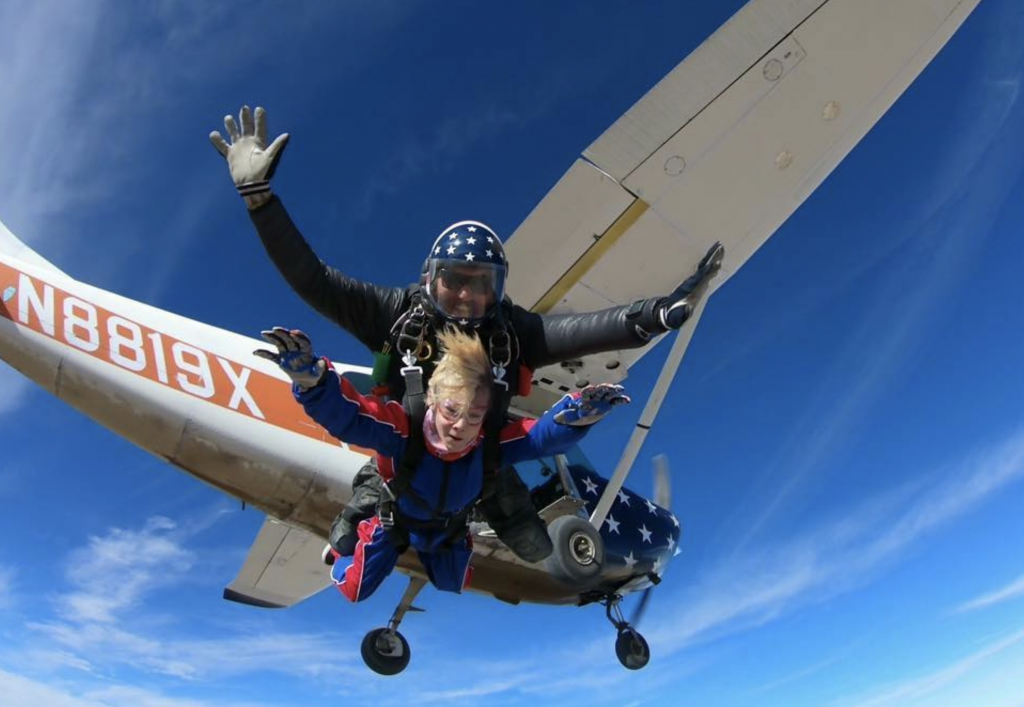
(12, 246)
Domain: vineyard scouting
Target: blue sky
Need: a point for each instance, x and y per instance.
(846, 434)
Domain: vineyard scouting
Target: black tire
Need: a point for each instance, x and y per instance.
(578, 551)
(631, 649)
(385, 663)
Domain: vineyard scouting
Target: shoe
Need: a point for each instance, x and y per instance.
(328, 555)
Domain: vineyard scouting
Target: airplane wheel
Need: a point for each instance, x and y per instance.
(578, 552)
(631, 649)
(384, 652)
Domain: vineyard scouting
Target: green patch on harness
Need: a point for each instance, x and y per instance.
(381, 364)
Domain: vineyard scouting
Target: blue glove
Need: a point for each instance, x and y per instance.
(679, 305)
(250, 161)
(295, 356)
(593, 403)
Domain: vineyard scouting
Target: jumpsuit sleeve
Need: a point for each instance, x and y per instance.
(363, 420)
(552, 338)
(532, 439)
(365, 310)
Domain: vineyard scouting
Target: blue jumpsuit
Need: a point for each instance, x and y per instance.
(447, 484)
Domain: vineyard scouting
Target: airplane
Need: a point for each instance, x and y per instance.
(723, 148)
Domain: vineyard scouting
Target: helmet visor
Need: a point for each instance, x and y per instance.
(463, 291)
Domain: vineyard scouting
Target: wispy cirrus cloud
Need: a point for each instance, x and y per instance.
(114, 572)
(107, 619)
(926, 689)
(1013, 590)
(92, 99)
(20, 691)
(770, 581)
(114, 620)
(437, 151)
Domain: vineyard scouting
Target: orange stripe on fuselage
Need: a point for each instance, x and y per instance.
(115, 339)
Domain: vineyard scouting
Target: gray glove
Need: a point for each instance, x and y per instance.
(594, 402)
(295, 356)
(251, 162)
(679, 305)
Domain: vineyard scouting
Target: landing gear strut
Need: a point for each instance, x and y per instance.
(385, 650)
(630, 647)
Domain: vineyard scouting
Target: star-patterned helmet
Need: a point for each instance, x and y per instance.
(465, 273)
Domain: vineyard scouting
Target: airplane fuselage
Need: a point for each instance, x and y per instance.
(195, 396)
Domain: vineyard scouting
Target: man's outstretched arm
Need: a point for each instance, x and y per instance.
(363, 309)
(549, 339)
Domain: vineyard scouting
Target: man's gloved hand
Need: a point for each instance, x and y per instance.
(679, 305)
(295, 356)
(251, 162)
(595, 402)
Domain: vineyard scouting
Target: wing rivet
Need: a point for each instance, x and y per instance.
(783, 159)
(830, 111)
(674, 166)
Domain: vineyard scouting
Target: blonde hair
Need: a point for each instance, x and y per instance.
(463, 371)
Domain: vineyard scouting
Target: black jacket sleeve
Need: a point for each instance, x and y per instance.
(548, 339)
(365, 310)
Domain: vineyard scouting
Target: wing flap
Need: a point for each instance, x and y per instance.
(561, 230)
(283, 567)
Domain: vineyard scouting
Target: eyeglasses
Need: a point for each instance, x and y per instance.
(478, 283)
(452, 412)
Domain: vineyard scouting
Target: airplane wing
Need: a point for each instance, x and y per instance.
(283, 568)
(724, 148)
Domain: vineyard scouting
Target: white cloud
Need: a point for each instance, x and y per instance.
(114, 572)
(104, 648)
(793, 677)
(112, 620)
(1011, 591)
(128, 696)
(769, 581)
(20, 691)
(926, 687)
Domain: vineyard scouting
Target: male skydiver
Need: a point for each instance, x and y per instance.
(463, 283)
(429, 452)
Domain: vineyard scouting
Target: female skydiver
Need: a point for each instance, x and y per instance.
(432, 470)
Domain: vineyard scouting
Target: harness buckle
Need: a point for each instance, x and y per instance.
(500, 347)
(411, 341)
(416, 370)
(499, 376)
(385, 507)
